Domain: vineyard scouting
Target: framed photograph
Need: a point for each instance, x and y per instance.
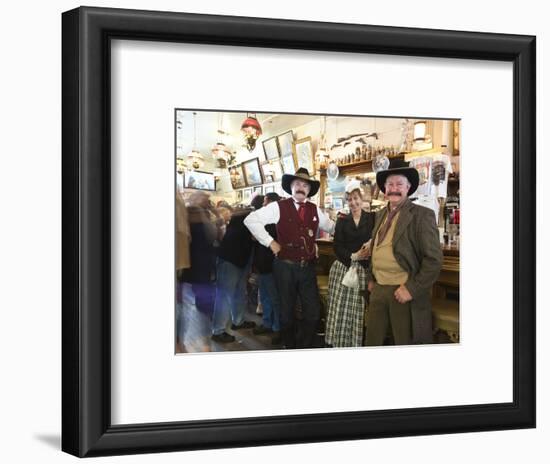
(236, 176)
(252, 172)
(303, 155)
(269, 189)
(239, 196)
(267, 172)
(277, 172)
(258, 190)
(271, 148)
(247, 195)
(285, 142)
(120, 395)
(200, 180)
(337, 203)
(288, 165)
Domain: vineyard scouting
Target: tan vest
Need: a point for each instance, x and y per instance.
(385, 268)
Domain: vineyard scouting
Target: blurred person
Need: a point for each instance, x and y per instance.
(268, 294)
(233, 267)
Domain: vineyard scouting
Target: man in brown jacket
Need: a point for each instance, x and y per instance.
(406, 260)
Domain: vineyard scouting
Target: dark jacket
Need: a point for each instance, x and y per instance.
(236, 245)
(417, 249)
(263, 256)
(348, 237)
(203, 257)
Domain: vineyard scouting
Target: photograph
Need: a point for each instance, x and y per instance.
(288, 164)
(285, 142)
(336, 322)
(247, 195)
(303, 154)
(236, 175)
(252, 172)
(200, 180)
(271, 148)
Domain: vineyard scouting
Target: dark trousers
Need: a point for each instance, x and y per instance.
(293, 281)
(386, 312)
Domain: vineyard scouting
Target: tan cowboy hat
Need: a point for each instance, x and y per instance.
(301, 174)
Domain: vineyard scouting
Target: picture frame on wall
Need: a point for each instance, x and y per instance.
(271, 148)
(285, 142)
(247, 195)
(267, 172)
(252, 172)
(95, 292)
(288, 165)
(237, 177)
(268, 189)
(200, 180)
(302, 151)
(258, 190)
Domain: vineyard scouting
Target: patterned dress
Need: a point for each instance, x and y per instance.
(346, 306)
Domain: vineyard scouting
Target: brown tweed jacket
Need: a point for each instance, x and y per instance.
(417, 250)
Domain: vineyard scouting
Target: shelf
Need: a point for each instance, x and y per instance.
(356, 167)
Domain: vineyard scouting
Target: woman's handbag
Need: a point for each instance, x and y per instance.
(351, 278)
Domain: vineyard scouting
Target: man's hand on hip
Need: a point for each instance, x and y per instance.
(275, 247)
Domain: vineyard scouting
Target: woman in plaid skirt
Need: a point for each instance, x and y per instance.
(346, 306)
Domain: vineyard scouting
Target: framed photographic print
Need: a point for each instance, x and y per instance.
(271, 149)
(236, 176)
(269, 189)
(267, 172)
(123, 396)
(238, 196)
(258, 190)
(247, 195)
(337, 203)
(277, 172)
(288, 165)
(303, 155)
(200, 180)
(285, 142)
(252, 172)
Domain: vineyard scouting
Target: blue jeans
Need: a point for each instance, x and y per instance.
(269, 298)
(230, 296)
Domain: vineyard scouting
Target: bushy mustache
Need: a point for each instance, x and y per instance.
(300, 191)
(397, 194)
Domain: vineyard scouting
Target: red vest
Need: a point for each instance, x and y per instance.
(297, 238)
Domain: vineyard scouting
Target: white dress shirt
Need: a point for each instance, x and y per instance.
(270, 214)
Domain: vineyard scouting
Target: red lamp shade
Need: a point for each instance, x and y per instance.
(252, 130)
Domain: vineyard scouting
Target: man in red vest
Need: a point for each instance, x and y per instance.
(297, 222)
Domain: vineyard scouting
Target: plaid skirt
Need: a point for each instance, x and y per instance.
(346, 308)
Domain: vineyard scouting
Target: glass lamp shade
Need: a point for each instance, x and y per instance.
(195, 160)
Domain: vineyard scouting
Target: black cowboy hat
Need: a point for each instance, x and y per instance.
(401, 168)
(301, 174)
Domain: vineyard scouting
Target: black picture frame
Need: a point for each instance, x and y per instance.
(86, 221)
(252, 172)
(210, 175)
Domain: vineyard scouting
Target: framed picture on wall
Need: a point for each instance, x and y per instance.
(288, 165)
(267, 172)
(247, 195)
(258, 190)
(303, 155)
(236, 176)
(200, 180)
(285, 142)
(271, 148)
(252, 172)
(268, 189)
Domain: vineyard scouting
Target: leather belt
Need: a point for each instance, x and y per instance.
(301, 263)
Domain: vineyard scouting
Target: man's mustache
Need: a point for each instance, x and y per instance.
(397, 194)
(300, 191)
